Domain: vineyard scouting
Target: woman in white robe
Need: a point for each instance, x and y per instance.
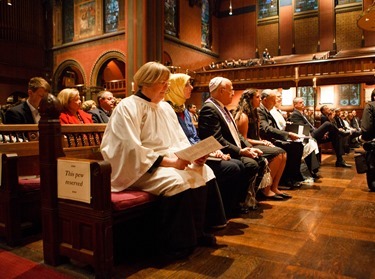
(140, 140)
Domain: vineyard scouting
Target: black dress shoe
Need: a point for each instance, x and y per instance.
(342, 164)
(274, 198)
(285, 195)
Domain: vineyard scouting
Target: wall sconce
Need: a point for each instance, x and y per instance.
(272, 5)
(230, 8)
(9, 2)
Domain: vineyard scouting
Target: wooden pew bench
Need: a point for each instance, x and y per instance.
(81, 230)
(20, 215)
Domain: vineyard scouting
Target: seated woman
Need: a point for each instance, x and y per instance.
(72, 112)
(140, 142)
(247, 119)
(227, 171)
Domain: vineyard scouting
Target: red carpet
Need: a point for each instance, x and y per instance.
(13, 266)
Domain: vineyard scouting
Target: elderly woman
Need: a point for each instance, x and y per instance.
(247, 120)
(72, 112)
(227, 171)
(140, 142)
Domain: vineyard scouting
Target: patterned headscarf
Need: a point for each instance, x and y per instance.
(175, 93)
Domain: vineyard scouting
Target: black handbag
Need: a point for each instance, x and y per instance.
(361, 163)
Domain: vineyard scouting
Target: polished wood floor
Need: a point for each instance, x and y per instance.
(327, 230)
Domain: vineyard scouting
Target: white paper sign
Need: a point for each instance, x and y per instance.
(73, 180)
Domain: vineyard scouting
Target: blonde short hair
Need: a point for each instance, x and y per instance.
(151, 73)
(66, 95)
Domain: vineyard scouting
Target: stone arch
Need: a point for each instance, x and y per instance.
(102, 60)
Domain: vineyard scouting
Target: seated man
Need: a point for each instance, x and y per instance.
(106, 103)
(27, 112)
(310, 163)
(328, 132)
(215, 120)
(286, 140)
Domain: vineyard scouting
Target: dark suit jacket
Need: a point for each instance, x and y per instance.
(323, 119)
(296, 117)
(212, 123)
(368, 122)
(20, 114)
(268, 127)
(98, 115)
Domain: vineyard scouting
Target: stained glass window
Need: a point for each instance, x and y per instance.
(349, 94)
(267, 8)
(206, 24)
(307, 94)
(68, 20)
(170, 15)
(111, 16)
(305, 5)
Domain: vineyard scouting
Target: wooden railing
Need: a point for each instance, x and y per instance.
(116, 85)
(337, 70)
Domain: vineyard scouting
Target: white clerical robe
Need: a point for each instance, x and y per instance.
(138, 133)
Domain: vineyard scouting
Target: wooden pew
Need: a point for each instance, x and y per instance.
(20, 219)
(83, 231)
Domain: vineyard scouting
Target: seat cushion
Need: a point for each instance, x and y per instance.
(29, 184)
(130, 198)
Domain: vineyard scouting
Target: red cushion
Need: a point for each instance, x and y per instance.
(130, 198)
(29, 184)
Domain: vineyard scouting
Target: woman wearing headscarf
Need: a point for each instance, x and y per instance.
(228, 171)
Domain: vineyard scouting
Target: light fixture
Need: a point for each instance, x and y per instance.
(230, 7)
(9, 2)
(366, 20)
(272, 4)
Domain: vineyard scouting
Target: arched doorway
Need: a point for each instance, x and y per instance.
(109, 73)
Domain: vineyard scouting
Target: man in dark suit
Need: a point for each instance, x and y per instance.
(215, 120)
(27, 112)
(327, 131)
(106, 103)
(286, 140)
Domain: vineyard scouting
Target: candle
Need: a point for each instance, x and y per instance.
(314, 82)
(296, 72)
(133, 87)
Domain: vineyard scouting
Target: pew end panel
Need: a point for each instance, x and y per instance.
(20, 198)
(82, 231)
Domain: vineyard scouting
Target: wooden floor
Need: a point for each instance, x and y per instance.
(327, 230)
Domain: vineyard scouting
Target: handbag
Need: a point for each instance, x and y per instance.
(267, 178)
(361, 163)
